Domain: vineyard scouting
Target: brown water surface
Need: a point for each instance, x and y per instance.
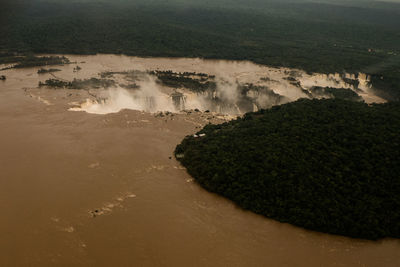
(100, 190)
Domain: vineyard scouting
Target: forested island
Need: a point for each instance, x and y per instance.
(327, 165)
(44, 71)
(93, 83)
(196, 82)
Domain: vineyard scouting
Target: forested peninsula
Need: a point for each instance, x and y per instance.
(327, 165)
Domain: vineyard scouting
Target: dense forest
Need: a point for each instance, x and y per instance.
(317, 36)
(326, 165)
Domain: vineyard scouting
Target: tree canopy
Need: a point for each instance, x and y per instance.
(326, 165)
(317, 36)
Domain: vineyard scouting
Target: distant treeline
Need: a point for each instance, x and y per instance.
(312, 36)
(326, 165)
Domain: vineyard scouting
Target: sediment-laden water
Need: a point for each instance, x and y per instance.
(78, 188)
(225, 87)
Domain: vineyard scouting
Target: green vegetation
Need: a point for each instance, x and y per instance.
(317, 36)
(131, 86)
(131, 75)
(326, 165)
(33, 61)
(54, 83)
(192, 81)
(44, 71)
(78, 84)
(7, 58)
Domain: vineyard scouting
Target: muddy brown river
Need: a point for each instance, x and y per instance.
(83, 189)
